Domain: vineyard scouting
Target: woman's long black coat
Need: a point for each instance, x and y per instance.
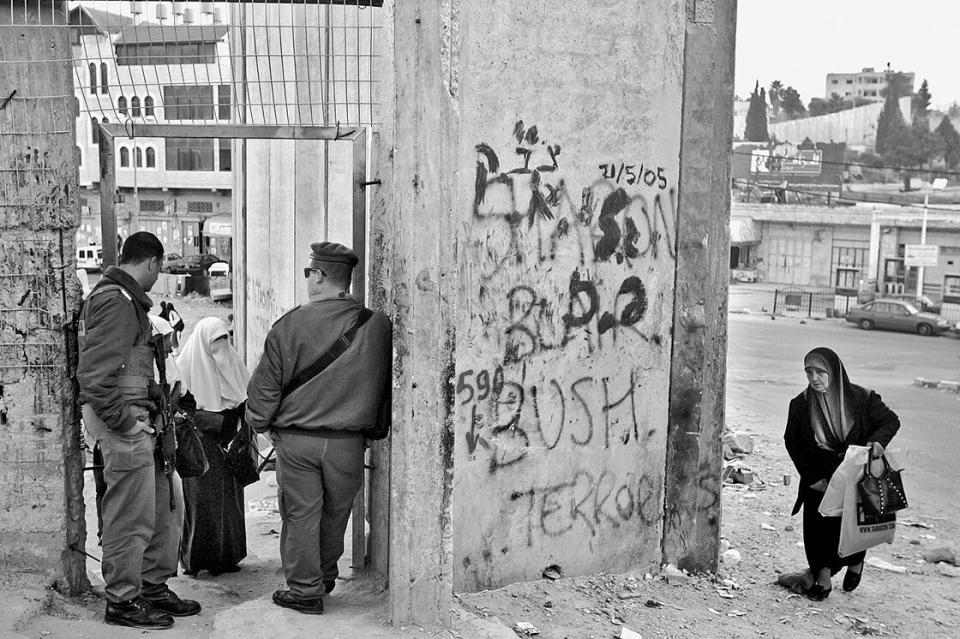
(873, 422)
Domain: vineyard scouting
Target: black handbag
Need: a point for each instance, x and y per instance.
(191, 459)
(881, 495)
(239, 456)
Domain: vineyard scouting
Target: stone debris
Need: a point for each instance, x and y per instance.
(552, 572)
(884, 565)
(736, 473)
(525, 629)
(947, 570)
(731, 557)
(736, 444)
(724, 545)
(937, 555)
(675, 576)
(766, 526)
(626, 633)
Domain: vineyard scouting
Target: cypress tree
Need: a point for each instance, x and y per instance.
(756, 129)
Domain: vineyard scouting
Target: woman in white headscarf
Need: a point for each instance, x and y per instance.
(826, 418)
(214, 537)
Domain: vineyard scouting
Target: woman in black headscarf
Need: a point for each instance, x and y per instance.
(826, 418)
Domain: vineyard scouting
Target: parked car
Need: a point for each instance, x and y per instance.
(897, 315)
(195, 265)
(90, 258)
(923, 302)
(171, 257)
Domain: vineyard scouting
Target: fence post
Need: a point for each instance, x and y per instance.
(809, 304)
(776, 297)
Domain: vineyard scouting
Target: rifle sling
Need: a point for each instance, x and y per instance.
(339, 347)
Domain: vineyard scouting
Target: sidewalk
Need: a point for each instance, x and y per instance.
(757, 297)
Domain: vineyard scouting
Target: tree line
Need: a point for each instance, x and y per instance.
(899, 143)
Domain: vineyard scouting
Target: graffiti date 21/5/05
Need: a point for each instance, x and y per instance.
(629, 173)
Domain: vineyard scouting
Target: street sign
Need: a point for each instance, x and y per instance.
(921, 255)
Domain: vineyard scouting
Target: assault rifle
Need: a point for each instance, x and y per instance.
(166, 430)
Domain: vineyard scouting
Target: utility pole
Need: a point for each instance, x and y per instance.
(923, 240)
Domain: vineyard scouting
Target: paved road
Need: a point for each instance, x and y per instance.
(765, 370)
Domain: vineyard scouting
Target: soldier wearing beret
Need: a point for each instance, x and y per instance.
(322, 386)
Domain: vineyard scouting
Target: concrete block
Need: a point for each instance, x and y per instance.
(948, 385)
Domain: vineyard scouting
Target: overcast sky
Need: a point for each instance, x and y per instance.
(799, 41)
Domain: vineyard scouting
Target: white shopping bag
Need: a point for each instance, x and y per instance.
(859, 530)
(849, 473)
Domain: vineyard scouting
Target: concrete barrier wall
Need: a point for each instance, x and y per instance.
(570, 157)
(296, 192)
(41, 462)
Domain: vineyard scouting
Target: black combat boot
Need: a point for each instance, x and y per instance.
(162, 598)
(136, 613)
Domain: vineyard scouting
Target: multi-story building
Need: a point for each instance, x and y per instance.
(176, 188)
(866, 84)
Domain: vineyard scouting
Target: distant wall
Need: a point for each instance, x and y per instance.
(857, 127)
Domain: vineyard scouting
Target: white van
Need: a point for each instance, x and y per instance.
(89, 258)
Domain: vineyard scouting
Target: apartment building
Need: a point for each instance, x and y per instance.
(132, 71)
(868, 84)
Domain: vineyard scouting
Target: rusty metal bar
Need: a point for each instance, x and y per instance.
(359, 552)
(237, 131)
(108, 195)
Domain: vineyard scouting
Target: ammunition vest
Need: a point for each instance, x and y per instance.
(136, 372)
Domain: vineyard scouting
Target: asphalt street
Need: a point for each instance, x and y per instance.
(765, 370)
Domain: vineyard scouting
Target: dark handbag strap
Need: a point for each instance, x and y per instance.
(339, 347)
(886, 465)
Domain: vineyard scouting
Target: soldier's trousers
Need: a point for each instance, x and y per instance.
(317, 479)
(141, 534)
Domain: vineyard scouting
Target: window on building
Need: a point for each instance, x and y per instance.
(165, 53)
(135, 107)
(138, 154)
(834, 81)
(151, 158)
(92, 69)
(148, 106)
(849, 81)
(226, 154)
(184, 102)
(848, 264)
(94, 131)
(103, 78)
(122, 105)
(223, 102)
(199, 206)
(152, 206)
(951, 289)
(124, 156)
(189, 154)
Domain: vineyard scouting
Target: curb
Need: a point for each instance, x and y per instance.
(943, 384)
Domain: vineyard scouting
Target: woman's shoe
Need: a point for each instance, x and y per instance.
(852, 579)
(818, 592)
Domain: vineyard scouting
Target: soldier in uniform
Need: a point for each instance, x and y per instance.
(141, 532)
(317, 402)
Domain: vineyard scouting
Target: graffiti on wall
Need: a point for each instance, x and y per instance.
(573, 273)
(263, 309)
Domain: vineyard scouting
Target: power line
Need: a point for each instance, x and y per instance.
(869, 166)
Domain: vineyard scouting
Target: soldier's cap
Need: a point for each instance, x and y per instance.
(326, 252)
